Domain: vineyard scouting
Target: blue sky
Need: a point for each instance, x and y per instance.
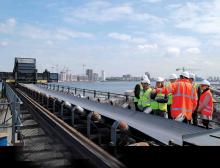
(118, 36)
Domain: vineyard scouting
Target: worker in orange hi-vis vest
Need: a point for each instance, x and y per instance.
(184, 98)
(205, 109)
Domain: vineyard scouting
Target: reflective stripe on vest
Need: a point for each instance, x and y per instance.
(182, 109)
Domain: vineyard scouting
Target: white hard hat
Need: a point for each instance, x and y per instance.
(173, 76)
(205, 82)
(192, 75)
(144, 76)
(185, 74)
(146, 80)
(160, 79)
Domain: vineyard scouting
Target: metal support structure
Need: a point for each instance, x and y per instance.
(6, 109)
(114, 133)
(48, 100)
(38, 97)
(61, 108)
(54, 105)
(89, 117)
(73, 115)
(15, 103)
(84, 92)
(42, 99)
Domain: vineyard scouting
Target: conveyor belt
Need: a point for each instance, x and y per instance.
(209, 138)
(159, 128)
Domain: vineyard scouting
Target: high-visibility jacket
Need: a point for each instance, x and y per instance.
(184, 98)
(170, 95)
(144, 100)
(206, 105)
(156, 105)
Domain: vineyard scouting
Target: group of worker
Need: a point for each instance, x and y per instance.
(181, 99)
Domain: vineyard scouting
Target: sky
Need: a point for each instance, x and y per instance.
(117, 36)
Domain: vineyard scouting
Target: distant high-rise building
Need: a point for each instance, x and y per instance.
(126, 77)
(95, 77)
(82, 78)
(102, 75)
(89, 73)
(74, 78)
(63, 76)
(68, 77)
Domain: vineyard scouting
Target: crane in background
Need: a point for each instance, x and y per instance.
(187, 69)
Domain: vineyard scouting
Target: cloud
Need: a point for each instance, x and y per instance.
(34, 32)
(176, 40)
(3, 43)
(98, 11)
(123, 37)
(173, 51)
(49, 43)
(126, 37)
(151, 1)
(8, 25)
(193, 51)
(102, 11)
(148, 46)
(202, 17)
(73, 34)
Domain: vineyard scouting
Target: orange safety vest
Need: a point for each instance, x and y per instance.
(184, 98)
(206, 105)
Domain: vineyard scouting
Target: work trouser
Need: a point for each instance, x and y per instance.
(186, 121)
(205, 123)
(195, 118)
(169, 111)
(136, 106)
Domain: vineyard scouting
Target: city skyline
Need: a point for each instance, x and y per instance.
(118, 36)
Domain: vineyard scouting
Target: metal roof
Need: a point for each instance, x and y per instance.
(26, 60)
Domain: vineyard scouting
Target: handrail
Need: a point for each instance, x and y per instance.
(15, 103)
(88, 91)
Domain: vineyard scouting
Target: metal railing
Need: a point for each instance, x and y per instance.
(14, 103)
(4, 107)
(87, 92)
